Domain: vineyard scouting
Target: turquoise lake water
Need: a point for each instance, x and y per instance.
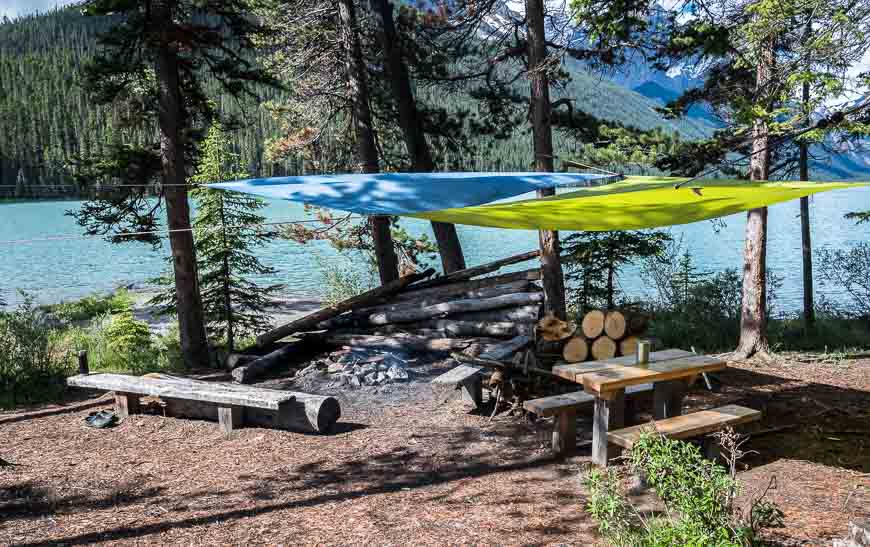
(60, 270)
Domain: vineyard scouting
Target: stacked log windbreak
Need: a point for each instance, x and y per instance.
(459, 311)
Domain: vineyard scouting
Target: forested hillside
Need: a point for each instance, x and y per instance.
(46, 120)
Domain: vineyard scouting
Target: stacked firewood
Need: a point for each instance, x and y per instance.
(605, 334)
(463, 311)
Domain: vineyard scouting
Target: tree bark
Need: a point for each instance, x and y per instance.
(551, 265)
(806, 244)
(753, 316)
(385, 253)
(191, 323)
(449, 247)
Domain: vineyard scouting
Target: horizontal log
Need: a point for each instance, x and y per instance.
(462, 329)
(367, 298)
(359, 318)
(468, 273)
(520, 314)
(306, 413)
(456, 306)
(159, 385)
(461, 287)
(402, 342)
(504, 351)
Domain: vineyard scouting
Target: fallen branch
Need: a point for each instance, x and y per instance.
(459, 288)
(365, 299)
(468, 273)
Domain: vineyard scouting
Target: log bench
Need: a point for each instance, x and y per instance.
(467, 379)
(233, 405)
(690, 426)
(565, 408)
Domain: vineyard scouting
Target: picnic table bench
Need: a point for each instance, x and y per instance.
(234, 404)
(669, 371)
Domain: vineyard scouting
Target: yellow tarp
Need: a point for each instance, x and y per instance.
(634, 203)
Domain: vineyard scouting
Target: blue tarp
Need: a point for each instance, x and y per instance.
(403, 193)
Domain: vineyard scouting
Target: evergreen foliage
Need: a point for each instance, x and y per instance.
(228, 230)
(593, 261)
(47, 119)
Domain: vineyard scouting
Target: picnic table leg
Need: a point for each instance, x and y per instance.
(472, 391)
(609, 412)
(126, 404)
(668, 399)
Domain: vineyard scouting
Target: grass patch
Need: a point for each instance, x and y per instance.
(92, 306)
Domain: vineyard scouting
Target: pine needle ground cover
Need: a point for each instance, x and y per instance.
(407, 469)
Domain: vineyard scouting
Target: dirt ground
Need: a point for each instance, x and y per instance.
(407, 468)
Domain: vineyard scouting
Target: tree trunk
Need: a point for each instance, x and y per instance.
(551, 265)
(385, 253)
(228, 300)
(191, 324)
(806, 244)
(449, 247)
(753, 316)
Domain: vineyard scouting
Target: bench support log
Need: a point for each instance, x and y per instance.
(230, 418)
(126, 404)
(668, 399)
(565, 433)
(609, 414)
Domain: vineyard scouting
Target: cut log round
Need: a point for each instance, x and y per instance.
(628, 345)
(593, 324)
(576, 350)
(307, 412)
(615, 325)
(603, 348)
(551, 328)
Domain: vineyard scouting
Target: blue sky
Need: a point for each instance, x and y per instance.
(13, 8)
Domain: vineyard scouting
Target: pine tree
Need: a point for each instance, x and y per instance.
(594, 259)
(228, 230)
(153, 60)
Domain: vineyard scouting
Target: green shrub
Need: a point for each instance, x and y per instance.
(120, 343)
(343, 278)
(847, 270)
(30, 370)
(698, 496)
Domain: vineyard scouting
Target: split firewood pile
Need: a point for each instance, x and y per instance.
(469, 311)
(605, 334)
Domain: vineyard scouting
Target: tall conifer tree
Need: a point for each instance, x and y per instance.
(152, 60)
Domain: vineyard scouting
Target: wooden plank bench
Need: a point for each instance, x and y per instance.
(466, 378)
(689, 426)
(565, 408)
(235, 404)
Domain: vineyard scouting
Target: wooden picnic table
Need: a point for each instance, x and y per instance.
(670, 371)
